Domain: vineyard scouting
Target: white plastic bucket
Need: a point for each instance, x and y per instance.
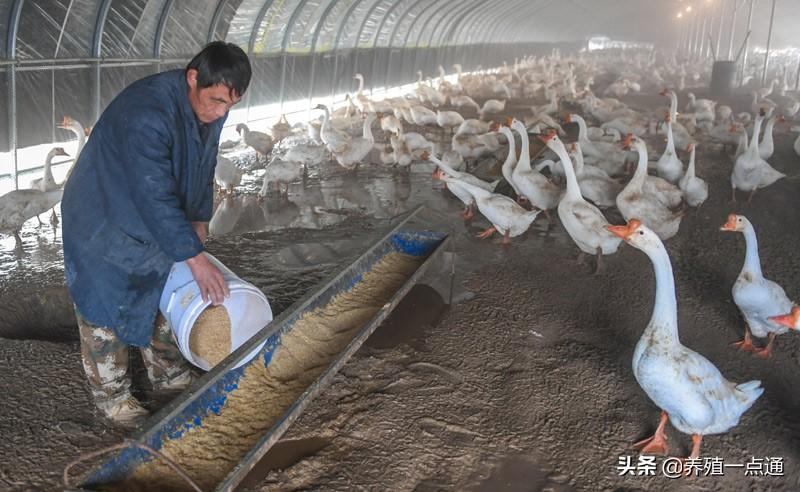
(181, 304)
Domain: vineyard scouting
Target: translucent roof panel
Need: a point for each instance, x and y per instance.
(305, 24)
(389, 21)
(5, 17)
(240, 27)
(397, 34)
(330, 24)
(369, 26)
(352, 23)
(186, 29)
(442, 12)
(228, 10)
(130, 28)
(40, 28)
(422, 21)
(273, 27)
(76, 38)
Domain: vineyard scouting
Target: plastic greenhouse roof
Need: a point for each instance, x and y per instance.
(175, 29)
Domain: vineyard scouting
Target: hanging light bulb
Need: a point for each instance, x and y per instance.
(689, 8)
(680, 14)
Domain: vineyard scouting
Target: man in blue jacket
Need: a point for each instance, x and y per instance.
(138, 200)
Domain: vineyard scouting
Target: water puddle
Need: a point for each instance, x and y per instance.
(520, 474)
(419, 310)
(282, 455)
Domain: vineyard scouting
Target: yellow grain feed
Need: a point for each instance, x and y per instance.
(209, 452)
(210, 338)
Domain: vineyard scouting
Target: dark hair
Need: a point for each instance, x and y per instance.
(222, 63)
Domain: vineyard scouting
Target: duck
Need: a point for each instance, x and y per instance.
(227, 175)
(583, 221)
(767, 145)
(750, 171)
(669, 166)
(689, 389)
(259, 141)
(533, 185)
(506, 216)
(695, 190)
(634, 202)
(280, 171)
(757, 297)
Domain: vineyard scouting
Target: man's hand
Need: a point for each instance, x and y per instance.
(209, 279)
(201, 229)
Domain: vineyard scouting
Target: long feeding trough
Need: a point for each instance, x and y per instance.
(218, 430)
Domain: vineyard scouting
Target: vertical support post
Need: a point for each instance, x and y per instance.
(719, 28)
(797, 77)
(12, 120)
(96, 88)
(53, 104)
(746, 42)
(769, 41)
(732, 30)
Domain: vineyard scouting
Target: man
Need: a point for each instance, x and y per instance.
(139, 199)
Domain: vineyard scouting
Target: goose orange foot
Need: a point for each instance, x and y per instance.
(657, 444)
(487, 233)
(766, 352)
(746, 343)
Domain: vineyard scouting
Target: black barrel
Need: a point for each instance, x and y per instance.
(723, 75)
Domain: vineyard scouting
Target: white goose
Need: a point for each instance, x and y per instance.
(634, 202)
(767, 145)
(756, 297)
(18, 206)
(464, 101)
(357, 149)
(584, 223)
(539, 190)
(605, 155)
(81, 133)
(688, 388)
(506, 216)
(695, 190)
(491, 106)
(750, 171)
(48, 182)
(594, 183)
(280, 171)
(669, 166)
(227, 175)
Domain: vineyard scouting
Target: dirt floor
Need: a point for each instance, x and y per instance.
(524, 383)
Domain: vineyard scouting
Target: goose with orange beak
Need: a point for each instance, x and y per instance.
(756, 297)
(791, 320)
(688, 388)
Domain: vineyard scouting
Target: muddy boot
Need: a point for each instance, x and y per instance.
(127, 412)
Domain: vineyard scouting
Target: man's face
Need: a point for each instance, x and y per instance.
(209, 103)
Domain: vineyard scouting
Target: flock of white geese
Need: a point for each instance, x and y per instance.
(582, 179)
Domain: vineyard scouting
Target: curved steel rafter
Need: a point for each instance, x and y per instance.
(495, 22)
(212, 28)
(99, 28)
(251, 43)
(13, 25)
(162, 23)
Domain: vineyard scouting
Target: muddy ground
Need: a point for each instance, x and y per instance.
(524, 383)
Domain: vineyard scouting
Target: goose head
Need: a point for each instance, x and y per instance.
(636, 234)
(791, 320)
(56, 151)
(735, 223)
(241, 128)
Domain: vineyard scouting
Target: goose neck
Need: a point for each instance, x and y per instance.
(664, 321)
(752, 263)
